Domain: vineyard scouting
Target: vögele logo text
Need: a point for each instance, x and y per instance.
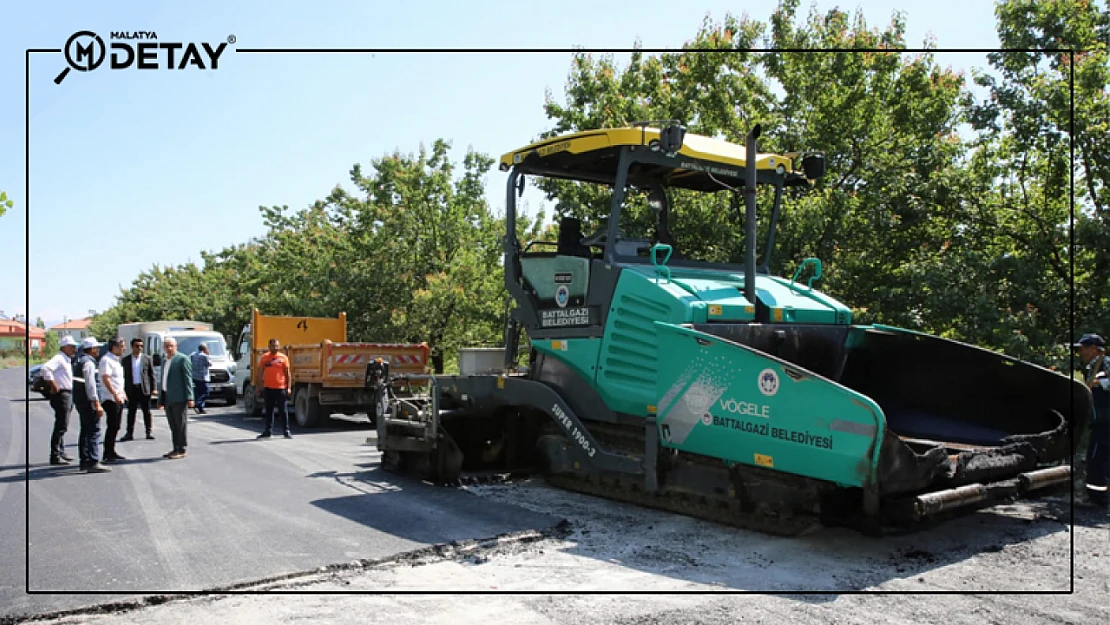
(86, 51)
(745, 408)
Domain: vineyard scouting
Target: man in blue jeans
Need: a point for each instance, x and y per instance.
(86, 398)
(201, 363)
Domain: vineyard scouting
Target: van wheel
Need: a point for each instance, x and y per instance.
(307, 409)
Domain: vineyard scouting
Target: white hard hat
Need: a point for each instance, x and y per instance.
(90, 342)
(66, 341)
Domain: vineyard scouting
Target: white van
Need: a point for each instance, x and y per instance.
(189, 335)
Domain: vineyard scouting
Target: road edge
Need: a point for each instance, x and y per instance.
(454, 550)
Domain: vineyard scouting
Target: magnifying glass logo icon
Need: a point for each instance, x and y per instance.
(83, 56)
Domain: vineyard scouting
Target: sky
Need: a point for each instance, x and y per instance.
(131, 169)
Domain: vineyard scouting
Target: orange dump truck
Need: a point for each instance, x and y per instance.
(328, 372)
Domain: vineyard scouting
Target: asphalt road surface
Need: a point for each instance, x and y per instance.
(241, 510)
(236, 509)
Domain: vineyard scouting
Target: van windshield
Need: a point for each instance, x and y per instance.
(188, 345)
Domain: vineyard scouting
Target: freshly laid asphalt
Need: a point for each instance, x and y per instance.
(236, 509)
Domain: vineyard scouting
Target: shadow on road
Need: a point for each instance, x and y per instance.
(1060, 508)
(44, 471)
(255, 424)
(40, 472)
(416, 511)
(233, 441)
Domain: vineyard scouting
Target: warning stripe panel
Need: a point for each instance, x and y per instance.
(343, 359)
(394, 359)
(400, 359)
(353, 359)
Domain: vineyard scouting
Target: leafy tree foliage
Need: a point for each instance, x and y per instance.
(916, 227)
(412, 255)
(50, 345)
(1024, 168)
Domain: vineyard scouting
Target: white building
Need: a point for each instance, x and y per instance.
(77, 328)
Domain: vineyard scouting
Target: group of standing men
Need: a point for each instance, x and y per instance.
(98, 390)
(101, 389)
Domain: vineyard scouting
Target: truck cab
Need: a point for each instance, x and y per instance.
(243, 360)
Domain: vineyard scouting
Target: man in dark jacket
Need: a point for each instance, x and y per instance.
(138, 380)
(1092, 354)
(175, 394)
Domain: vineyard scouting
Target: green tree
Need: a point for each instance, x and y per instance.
(434, 273)
(182, 292)
(413, 255)
(50, 344)
(710, 86)
(5, 203)
(887, 124)
(39, 323)
(885, 120)
(1023, 166)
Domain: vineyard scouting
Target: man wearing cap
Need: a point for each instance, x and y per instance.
(58, 373)
(87, 400)
(1092, 353)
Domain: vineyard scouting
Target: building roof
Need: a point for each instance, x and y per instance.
(9, 327)
(75, 324)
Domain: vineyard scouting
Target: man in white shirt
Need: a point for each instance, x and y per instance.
(58, 373)
(112, 396)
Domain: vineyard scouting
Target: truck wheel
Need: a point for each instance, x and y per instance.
(393, 461)
(377, 410)
(307, 409)
(229, 397)
(250, 402)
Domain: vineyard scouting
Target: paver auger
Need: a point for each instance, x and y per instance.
(718, 390)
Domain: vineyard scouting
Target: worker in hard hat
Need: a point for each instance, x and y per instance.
(86, 398)
(1092, 354)
(58, 374)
